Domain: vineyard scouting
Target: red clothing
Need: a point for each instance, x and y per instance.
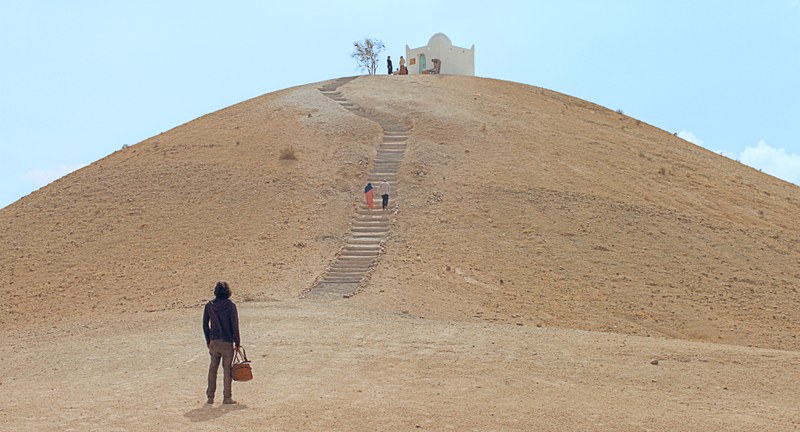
(370, 198)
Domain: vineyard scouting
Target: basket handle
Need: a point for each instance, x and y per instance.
(240, 355)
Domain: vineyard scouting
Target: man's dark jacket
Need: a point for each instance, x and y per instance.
(221, 321)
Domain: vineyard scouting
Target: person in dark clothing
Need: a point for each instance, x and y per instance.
(221, 329)
(389, 64)
(384, 191)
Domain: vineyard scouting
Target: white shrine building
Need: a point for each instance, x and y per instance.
(455, 60)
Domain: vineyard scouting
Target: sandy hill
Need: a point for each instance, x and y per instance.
(521, 211)
(546, 210)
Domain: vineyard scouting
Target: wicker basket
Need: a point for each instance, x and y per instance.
(240, 369)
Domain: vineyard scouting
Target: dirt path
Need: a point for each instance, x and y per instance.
(323, 366)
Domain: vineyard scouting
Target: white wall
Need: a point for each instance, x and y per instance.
(455, 60)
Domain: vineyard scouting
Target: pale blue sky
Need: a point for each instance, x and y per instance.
(81, 78)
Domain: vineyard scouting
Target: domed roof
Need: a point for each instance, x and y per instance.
(440, 38)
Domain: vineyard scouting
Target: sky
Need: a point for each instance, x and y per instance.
(79, 79)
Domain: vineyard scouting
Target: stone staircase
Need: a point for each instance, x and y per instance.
(350, 269)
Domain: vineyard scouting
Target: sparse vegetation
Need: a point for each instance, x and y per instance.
(366, 53)
(620, 112)
(288, 153)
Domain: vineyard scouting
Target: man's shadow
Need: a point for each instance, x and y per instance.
(210, 412)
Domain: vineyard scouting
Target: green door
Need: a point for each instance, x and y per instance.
(421, 63)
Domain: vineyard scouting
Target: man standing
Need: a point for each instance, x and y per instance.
(384, 190)
(221, 329)
(389, 64)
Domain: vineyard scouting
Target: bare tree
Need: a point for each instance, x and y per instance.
(366, 53)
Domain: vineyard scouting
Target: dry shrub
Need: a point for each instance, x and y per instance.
(288, 153)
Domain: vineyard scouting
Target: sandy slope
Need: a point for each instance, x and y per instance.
(550, 210)
(521, 211)
(339, 367)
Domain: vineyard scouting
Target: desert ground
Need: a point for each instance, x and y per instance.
(336, 366)
(551, 265)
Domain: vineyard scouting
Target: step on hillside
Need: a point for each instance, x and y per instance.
(369, 228)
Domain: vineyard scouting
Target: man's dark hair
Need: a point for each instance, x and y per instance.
(222, 290)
